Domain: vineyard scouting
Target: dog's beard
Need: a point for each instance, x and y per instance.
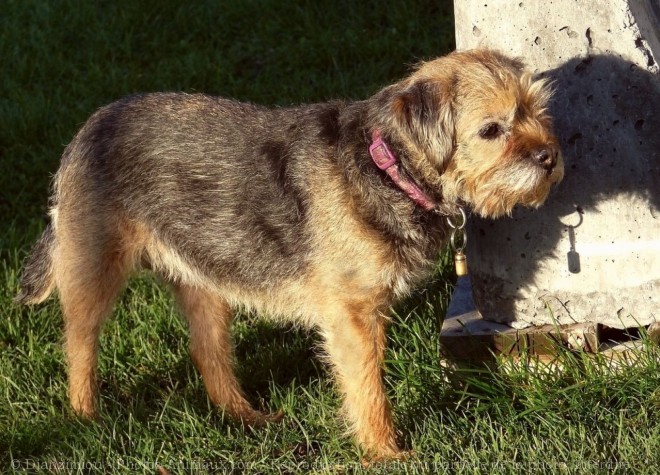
(519, 183)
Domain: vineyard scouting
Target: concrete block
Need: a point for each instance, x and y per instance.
(592, 252)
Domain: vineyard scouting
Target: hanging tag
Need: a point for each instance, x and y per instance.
(460, 263)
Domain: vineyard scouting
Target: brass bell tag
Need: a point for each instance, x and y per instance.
(458, 242)
(460, 263)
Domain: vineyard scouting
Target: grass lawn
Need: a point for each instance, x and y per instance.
(63, 59)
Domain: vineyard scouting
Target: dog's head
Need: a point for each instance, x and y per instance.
(478, 131)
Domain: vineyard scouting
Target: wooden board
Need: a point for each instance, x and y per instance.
(469, 337)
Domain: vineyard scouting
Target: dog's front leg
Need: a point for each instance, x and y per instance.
(355, 344)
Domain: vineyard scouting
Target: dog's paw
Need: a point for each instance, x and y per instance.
(388, 456)
(85, 412)
(257, 419)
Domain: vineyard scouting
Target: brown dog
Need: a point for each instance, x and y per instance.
(285, 212)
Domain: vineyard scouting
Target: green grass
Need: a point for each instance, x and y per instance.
(63, 59)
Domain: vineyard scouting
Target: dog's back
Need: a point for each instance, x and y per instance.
(223, 184)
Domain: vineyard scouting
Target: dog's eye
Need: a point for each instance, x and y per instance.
(491, 131)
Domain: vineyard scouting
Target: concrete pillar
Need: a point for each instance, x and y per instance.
(592, 252)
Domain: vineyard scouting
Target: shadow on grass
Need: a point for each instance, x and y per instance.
(277, 354)
(267, 356)
(31, 438)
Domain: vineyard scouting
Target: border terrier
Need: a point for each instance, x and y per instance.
(321, 214)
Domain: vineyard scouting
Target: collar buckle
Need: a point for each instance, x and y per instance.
(385, 160)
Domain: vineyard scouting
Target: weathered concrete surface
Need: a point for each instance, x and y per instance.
(592, 253)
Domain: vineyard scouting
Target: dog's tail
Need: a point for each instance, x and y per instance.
(37, 281)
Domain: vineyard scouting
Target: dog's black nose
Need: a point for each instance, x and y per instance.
(546, 158)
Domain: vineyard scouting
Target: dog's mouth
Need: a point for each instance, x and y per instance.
(523, 183)
(545, 168)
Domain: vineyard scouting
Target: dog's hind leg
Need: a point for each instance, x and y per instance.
(355, 344)
(90, 269)
(211, 348)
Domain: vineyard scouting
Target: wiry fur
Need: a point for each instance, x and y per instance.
(282, 211)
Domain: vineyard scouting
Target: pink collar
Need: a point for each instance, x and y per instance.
(386, 161)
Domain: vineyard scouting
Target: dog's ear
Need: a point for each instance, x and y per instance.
(424, 109)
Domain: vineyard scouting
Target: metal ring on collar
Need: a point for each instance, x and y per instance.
(463, 217)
